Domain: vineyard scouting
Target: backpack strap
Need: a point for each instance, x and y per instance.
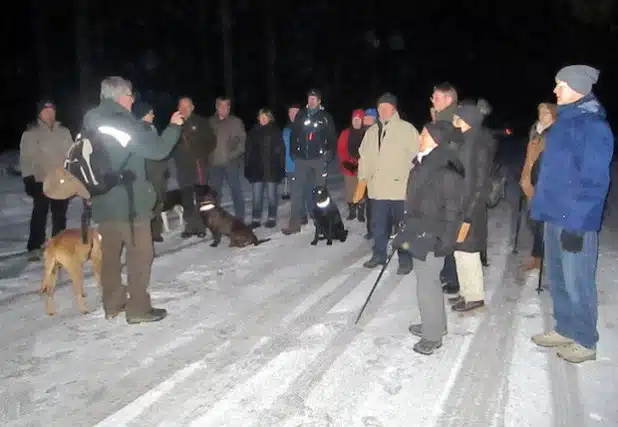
(126, 179)
(86, 216)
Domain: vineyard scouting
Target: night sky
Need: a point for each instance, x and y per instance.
(351, 50)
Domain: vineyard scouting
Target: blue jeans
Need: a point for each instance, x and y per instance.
(573, 286)
(385, 213)
(257, 190)
(231, 172)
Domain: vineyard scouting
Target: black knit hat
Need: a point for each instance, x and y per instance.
(141, 108)
(388, 98)
(43, 104)
(471, 114)
(315, 92)
(442, 132)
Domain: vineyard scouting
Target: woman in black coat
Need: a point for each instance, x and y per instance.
(432, 218)
(265, 166)
(476, 155)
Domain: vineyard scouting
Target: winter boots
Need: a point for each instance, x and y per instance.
(352, 207)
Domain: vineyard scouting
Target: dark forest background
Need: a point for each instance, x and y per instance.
(269, 53)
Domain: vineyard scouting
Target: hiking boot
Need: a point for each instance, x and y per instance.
(154, 315)
(404, 269)
(157, 239)
(255, 224)
(271, 223)
(463, 305)
(426, 347)
(304, 220)
(576, 353)
(360, 212)
(450, 288)
(551, 339)
(418, 330)
(532, 263)
(285, 196)
(455, 300)
(186, 234)
(292, 228)
(351, 211)
(374, 261)
(35, 255)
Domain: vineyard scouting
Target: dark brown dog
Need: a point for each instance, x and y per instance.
(222, 223)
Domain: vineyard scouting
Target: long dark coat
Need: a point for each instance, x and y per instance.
(476, 154)
(265, 154)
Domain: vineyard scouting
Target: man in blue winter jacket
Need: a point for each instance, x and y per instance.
(569, 197)
(290, 166)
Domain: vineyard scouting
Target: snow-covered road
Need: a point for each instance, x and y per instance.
(265, 336)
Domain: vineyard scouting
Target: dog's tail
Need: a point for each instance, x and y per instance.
(49, 271)
(260, 241)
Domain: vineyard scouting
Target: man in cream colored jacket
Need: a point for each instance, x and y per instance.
(386, 155)
(43, 147)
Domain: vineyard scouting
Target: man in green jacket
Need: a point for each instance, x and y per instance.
(133, 142)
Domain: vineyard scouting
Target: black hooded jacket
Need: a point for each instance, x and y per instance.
(434, 200)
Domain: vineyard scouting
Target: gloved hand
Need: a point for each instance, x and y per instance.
(30, 185)
(352, 167)
(571, 242)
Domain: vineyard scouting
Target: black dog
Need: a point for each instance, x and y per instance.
(327, 218)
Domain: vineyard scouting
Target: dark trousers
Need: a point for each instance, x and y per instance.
(231, 173)
(449, 271)
(157, 223)
(191, 214)
(538, 247)
(385, 213)
(41, 204)
(307, 175)
(115, 236)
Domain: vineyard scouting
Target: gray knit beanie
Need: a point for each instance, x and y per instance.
(580, 78)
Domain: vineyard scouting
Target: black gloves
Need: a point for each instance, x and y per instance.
(571, 242)
(32, 187)
(350, 166)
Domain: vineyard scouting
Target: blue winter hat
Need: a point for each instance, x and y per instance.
(371, 112)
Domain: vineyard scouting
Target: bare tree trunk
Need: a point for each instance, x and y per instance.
(226, 35)
(41, 48)
(82, 43)
(270, 30)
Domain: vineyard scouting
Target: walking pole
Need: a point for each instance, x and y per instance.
(518, 226)
(539, 287)
(388, 260)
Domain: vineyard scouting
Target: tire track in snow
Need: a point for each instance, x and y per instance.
(249, 326)
(277, 331)
(479, 392)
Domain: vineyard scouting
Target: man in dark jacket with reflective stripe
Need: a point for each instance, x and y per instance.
(312, 146)
(128, 138)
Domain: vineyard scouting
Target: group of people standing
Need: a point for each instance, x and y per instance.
(431, 186)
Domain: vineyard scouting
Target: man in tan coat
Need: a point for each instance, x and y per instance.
(386, 155)
(43, 149)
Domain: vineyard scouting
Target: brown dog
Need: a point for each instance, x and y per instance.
(68, 250)
(222, 223)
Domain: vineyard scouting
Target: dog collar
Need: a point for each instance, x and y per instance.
(323, 204)
(207, 207)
